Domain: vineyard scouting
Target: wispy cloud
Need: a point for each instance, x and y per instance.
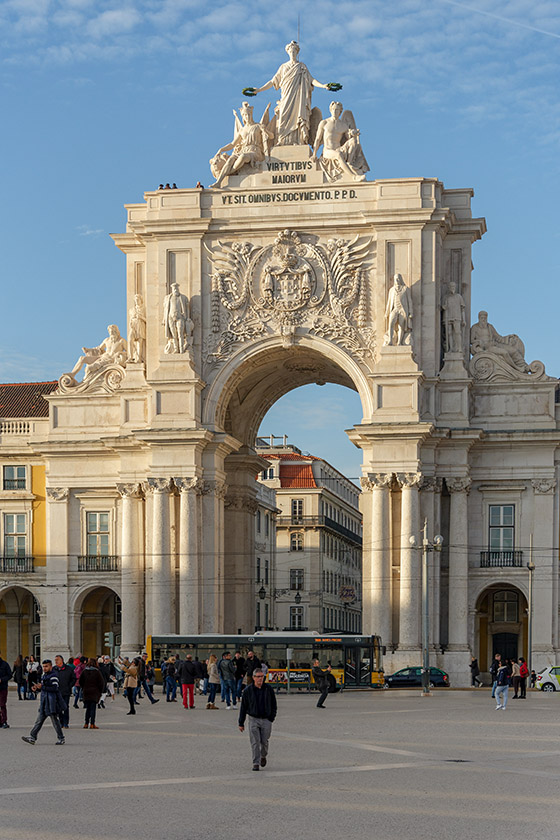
(86, 230)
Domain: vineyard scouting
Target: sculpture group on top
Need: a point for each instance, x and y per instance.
(294, 123)
(498, 357)
(104, 365)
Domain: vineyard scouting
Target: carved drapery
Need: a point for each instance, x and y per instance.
(57, 494)
(543, 485)
(458, 485)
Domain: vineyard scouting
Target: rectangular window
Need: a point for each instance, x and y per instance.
(14, 478)
(15, 534)
(296, 541)
(501, 527)
(506, 606)
(296, 618)
(258, 522)
(296, 579)
(266, 567)
(258, 575)
(258, 616)
(297, 511)
(266, 616)
(97, 534)
(266, 525)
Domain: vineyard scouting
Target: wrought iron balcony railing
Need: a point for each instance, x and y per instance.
(98, 563)
(16, 565)
(325, 521)
(14, 484)
(494, 559)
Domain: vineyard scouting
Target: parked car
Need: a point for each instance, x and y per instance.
(549, 679)
(411, 677)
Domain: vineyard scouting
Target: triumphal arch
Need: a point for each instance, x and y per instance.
(297, 266)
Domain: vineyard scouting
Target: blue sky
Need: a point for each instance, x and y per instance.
(103, 100)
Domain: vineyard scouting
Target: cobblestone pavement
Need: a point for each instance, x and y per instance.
(385, 765)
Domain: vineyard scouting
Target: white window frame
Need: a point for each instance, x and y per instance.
(92, 502)
(501, 527)
(297, 580)
(297, 615)
(17, 478)
(296, 541)
(26, 534)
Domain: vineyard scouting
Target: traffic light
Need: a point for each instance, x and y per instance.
(109, 639)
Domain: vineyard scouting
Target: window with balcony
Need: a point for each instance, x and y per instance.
(296, 541)
(501, 538)
(97, 534)
(506, 606)
(296, 579)
(296, 618)
(15, 535)
(14, 478)
(297, 511)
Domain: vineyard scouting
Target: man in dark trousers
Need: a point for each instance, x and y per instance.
(66, 682)
(321, 681)
(188, 673)
(142, 683)
(251, 664)
(258, 702)
(50, 704)
(5, 677)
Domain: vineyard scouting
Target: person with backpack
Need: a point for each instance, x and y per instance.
(502, 686)
(494, 667)
(523, 674)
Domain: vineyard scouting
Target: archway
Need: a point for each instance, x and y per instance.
(237, 402)
(20, 623)
(501, 623)
(97, 612)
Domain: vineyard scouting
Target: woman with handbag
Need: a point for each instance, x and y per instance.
(131, 682)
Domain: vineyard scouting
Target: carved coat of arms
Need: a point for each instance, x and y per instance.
(287, 285)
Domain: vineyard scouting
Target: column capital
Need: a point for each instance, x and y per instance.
(543, 486)
(185, 485)
(214, 488)
(157, 485)
(57, 494)
(375, 481)
(243, 501)
(130, 491)
(431, 484)
(460, 484)
(409, 479)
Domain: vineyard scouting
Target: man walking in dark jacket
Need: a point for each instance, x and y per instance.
(142, 682)
(188, 672)
(5, 677)
(66, 682)
(321, 681)
(50, 704)
(258, 702)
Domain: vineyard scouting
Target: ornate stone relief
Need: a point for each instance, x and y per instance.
(500, 358)
(431, 484)
(157, 485)
(376, 480)
(57, 494)
(235, 501)
(104, 366)
(409, 479)
(185, 485)
(290, 284)
(458, 485)
(214, 488)
(543, 485)
(130, 491)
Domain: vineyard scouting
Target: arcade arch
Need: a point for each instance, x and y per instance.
(501, 623)
(97, 610)
(20, 623)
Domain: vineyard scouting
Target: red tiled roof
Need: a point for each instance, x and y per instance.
(296, 475)
(25, 399)
(288, 456)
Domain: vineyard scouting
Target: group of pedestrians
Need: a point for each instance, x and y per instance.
(509, 673)
(227, 675)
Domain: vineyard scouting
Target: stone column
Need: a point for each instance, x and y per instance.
(213, 495)
(458, 563)
(162, 568)
(410, 581)
(430, 501)
(54, 605)
(376, 556)
(544, 603)
(132, 571)
(189, 574)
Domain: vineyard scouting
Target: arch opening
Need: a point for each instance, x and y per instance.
(501, 623)
(20, 623)
(97, 612)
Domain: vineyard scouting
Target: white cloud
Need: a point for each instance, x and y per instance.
(86, 230)
(114, 22)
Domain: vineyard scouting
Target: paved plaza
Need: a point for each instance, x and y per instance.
(388, 764)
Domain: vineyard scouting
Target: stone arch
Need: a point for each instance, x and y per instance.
(95, 612)
(254, 379)
(19, 629)
(500, 626)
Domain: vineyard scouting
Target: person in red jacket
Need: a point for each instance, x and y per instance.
(523, 674)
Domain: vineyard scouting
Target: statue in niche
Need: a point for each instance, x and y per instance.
(342, 150)
(177, 322)
(485, 339)
(250, 144)
(398, 314)
(293, 112)
(137, 331)
(454, 319)
(111, 351)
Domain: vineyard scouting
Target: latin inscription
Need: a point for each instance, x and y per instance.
(281, 197)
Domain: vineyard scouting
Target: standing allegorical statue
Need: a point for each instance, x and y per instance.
(398, 313)
(137, 331)
(454, 319)
(293, 113)
(177, 322)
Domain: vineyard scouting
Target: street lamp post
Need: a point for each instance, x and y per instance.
(531, 568)
(427, 546)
